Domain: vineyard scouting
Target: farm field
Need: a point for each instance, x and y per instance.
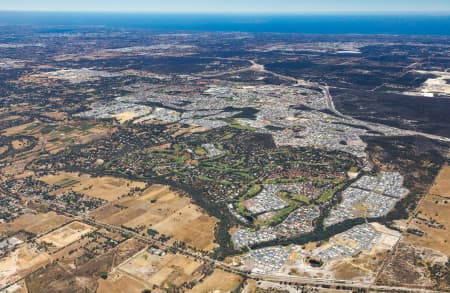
(165, 211)
(55, 137)
(218, 281)
(34, 223)
(66, 234)
(441, 185)
(20, 262)
(164, 271)
(433, 219)
(120, 284)
(105, 187)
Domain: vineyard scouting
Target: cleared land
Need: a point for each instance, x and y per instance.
(218, 281)
(56, 137)
(34, 223)
(20, 262)
(433, 219)
(19, 144)
(120, 284)
(165, 211)
(163, 271)
(441, 185)
(105, 187)
(3, 149)
(66, 234)
(433, 216)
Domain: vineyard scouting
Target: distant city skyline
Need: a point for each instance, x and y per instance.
(232, 6)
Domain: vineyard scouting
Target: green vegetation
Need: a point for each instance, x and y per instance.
(226, 169)
(33, 126)
(328, 194)
(235, 125)
(353, 169)
(152, 232)
(300, 197)
(47, 129)
(67, 129)
(281, 215)
(205, 178)
(228, 136)
(254, 190)
(200, 151)
(85, 126)
(241, 209)
(285, 180)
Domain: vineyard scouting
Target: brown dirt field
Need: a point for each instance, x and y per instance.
(164, 270)
(61, 277)
(127, 249)
(441, 185)
(105, 211)
(120, 284)
(166, 212)
(3, 149)
(429, 218)
(19, 287)
(61, 135)
(407, 267)
(20, 144)
(21, 262)
(433, 216)
(20, 129)
(53, 278)
(68, 254)
(125, 116)
(348, 271)
(66, 234)
(10, 117)
(56, 115)
(108, 188)
(219, 281)
(34, 223)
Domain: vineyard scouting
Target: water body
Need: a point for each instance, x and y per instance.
(310, 24)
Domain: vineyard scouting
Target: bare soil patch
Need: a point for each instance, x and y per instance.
(163, 271)
(105, 187)
(21, 262)
(218, 281)
(34, 223)
(441, 185)
(165, 211)
(66, 234)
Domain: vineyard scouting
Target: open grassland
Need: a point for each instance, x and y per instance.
(3, 149)
(34, 223)
(441, 186)
(433, 216)
(409, 266)
(20, 144)
(119, 284)
(162, 210)
(105, 187)
(56, 137)
(218, 281)
(66, 234)
(163, 271)
(433, 219)
(20, 262)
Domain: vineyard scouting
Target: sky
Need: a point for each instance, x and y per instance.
(232, 6)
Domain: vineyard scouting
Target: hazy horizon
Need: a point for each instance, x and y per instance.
(233, 6)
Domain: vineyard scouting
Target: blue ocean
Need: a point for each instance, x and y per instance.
(307, 24)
